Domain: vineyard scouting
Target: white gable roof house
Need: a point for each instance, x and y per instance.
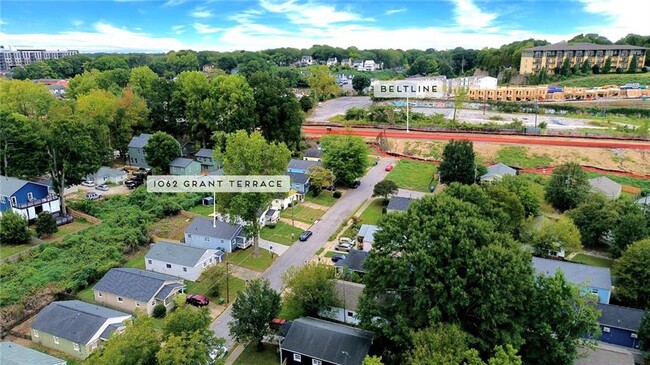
(606, 186)
(180, 260)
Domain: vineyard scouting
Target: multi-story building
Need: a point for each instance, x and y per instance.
(22, 57)
(552, 57)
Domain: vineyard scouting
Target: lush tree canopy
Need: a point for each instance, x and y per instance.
(311, 288)
(161, 150)
(458, 163)
(345, 156)
(632, 273)
(252, 311)
(567, 187)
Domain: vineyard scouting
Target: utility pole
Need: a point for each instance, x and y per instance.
(227, 283)
(407, 113)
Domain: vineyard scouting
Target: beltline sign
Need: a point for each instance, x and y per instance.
(408, 89)
(219, 184)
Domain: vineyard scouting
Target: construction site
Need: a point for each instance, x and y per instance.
(545, 93)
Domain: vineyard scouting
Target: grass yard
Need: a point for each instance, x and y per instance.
(281, 233)
(303, 214)
(204, 210)
(519, 156)
(250, 355)
(330, 253)
(9, 250)
(606, 79)
(592, 260)
(66, 229)
(137, 260)
(245, 258)
(324, 198)
(171, 227)
(69, 359)
(373, 213)
(412, 175)
(87, 295)
(205, 287)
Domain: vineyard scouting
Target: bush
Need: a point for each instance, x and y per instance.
(306, 103)
(159, 311)
(46, 224)
(13, 228)
(272, 225)
(384, 210)
(337, 194)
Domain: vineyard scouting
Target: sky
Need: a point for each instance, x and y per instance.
(164, 25)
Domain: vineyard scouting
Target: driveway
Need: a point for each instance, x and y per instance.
(301, 252)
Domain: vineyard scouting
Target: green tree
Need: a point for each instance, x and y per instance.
(108, 62)
(83, 83)
(311, 289)
(190, 95)
(252, 311)
(46, 224)
(458, 163)
(505, 356)
(443, 344)
(585, 69)
(566, 67)
(306, 103)
(322, 82)
(360, 82)
(460, 97)
(319, 178)
(633, 65)
(230, 104)
(631, 226)
(13, 228)
(250, 155)
(188, 320)
(187, 348)
(22, 150)
(560, 321)
(555, 236)
(567, 187)
(372, 360)
(138, 345)
(36, 70)
(644, 335)
(594, 218)
(608, 65)
(25, 97)
(142, 80)
(523, 188)
(632, 273)
(509, 203)
(161, 150)
(385, 188)
(99, 108)
(345, 156)
(424, 65)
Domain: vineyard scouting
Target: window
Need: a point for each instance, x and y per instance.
(2, 199)
(13, 200)
(76, 346)
(297, 357)
(350, 314)
(205, 264)
(30, 196)
(153, 302)
(35, 333)
(137, 304)
(120, 300)
(207, 239)
(99, 294)
(185, 269)
(594, 291)
(316, 362)
(189, 236)
(169, 266)
(56, 340)
(149, 262)
(634, 335)
(605, 329)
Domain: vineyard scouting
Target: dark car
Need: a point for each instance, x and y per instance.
(197, 300)
(337, 257)
(355, 184)
(305, 235)
(133, 183)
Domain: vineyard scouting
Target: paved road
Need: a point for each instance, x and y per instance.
(301, 252)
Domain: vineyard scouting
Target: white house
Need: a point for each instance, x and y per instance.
(332, 61)
(282, 203)
(347, 294)
(368, 65)
(215, 234)
(180, 260)
(108, 175)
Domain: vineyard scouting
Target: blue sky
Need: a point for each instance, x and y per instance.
(163, 25)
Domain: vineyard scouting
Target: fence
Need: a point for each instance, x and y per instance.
(77, 214)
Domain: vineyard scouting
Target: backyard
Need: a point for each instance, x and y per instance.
(413, 175)
(281, 233)
(206, 287)
(171, 227)
(250, 355)
(373, 212)
(9, 250)
(593, 260)
(205, 210)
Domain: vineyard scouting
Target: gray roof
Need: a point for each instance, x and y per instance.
(302, 164)
(164, 292)
(107, 171)
(181, 162)
(15, 354)
(74, 320)
(297, 177)
(563, 46)
(270, 212)
(110, 329)
(620, 317)
(597, 277)
(9, 185)
(140, 285)
(499, 170)
(348, 293)
(221, 230)
(354, 260)
(140, 141)
(314, 152)
(218, 172)
(175, 253)
(204, 152)
(327, 341)
(606, 186)
(367, 231)
(400, 203)
(644, 201)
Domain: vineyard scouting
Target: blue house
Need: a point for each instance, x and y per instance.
(204, 157)
(27, 198)
(301, 166)
(620, 325)
(215, 234)
(182, 166)
(299, 182)
(136, 150)
(596, 280)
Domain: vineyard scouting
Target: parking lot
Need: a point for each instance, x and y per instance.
(331, 108)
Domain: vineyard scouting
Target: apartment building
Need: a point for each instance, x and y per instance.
(22, 57)
(552, 56)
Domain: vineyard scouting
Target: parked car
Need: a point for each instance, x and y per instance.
(356, 184)
(389, 167)
(93, 196)
(330, 188)
(345, 247)
(305, 235)
(346, 240)
(276, 323)
(337, 257)
(89, 183)
(102, 187)
(133, 183)
(218, 352)
(197, 300)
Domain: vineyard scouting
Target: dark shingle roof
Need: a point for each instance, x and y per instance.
(15, 354)
(598, 277)
(302, 164)
(270, 212)
(297, 177)
(620, 317)
(73, 320)
(109, 330)
(354, 260)
(400, 203)
(563, 46)
(140, 141)
(175, 253)
(314, 153)
(327, 341)
(498, 170)
(164, 292)
(181, 162)
(221, 230)
(136, 284)
(205, 152)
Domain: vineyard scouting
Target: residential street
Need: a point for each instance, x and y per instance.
(301, 252)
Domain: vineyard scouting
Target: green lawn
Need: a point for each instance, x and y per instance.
(605, 79)
(303, 213)
(69, 359)
(281, 233)
(521, 157)
(137, 261)
(245, 258)
(8, 250)
(372, 214)
(330, 253)
(205, 287)
(171, 227)
(205, 210)
(320, 250)
(593, 260)
(412, 175)
(324, 198)
(87, 295)
(66, 229)
(250, 356)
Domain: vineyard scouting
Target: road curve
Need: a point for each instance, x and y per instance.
(316, 131)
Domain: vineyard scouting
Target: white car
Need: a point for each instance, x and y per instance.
(218, 353)
(347, 240)
(88, 183)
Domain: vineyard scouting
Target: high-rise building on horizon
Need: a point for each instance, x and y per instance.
(22, 57)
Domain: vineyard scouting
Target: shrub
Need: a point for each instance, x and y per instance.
(337, 194)
(13, 228)
(543, 125)
(159, 311)
(45, 224)
(272, 225)
(384, 210)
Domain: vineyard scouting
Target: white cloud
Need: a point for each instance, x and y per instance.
(205, 29)
(77, 23)
(395, 11)
(470, 16)
(201, 13)
(623, 18)
(174, 2)
(311, 13)
(246, 16)
(178, 29)
(104, 38)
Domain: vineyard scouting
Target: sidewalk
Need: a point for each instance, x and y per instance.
(234, 355)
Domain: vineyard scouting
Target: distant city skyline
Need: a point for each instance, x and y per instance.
(160, 26)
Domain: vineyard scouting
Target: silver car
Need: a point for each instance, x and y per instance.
(345, 247)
